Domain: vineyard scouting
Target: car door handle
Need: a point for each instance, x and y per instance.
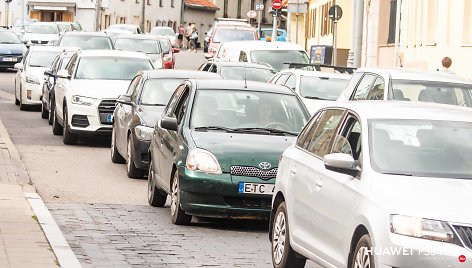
(318, 184)
(293, 170)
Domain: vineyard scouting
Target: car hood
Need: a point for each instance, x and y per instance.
(42, 37)
(433, 198)
(12, 49)
(233, 149)
(99, 89)
(150, 114)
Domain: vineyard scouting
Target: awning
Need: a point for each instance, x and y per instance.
(50, 8)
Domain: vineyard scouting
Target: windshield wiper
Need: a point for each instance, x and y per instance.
(314, 98)
(150, 104)
(265, 130)
(214, 128)
(35, 65)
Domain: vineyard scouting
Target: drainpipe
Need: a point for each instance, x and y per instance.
(350, 58)
(358, 32)
(396, 53)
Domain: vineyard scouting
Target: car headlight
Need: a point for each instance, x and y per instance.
(421, 228)
(30, 79)
(144, 133)
(82, 100)
(203, 161)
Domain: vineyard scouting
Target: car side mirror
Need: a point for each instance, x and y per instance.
(342, 163)
(175, 50)
(18, 66)
(124, 99)
(48, 72)
(63, 74)
(169, 123)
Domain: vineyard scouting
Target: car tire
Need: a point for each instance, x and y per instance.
(132, 171)
(362, 255)
(51, 113)
(23, 107)
(177, 215)
(68, 137)
(56, 127)
(44, 112)
(116, 157)
(17, 101)
(156, 196)
(283, 255)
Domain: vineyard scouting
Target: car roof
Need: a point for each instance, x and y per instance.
(262, 45)
(405, 110)
(243, 64)
(235, 26)
(416, 75)
(317, 74)
(137, 36)
(85, 33)
(184, 74)
(46, 48)
(242, 85)
(112, 53)
(124, 24)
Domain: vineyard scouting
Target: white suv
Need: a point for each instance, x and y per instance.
(87, 90)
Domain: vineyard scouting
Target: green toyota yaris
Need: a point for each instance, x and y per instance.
(216, 148)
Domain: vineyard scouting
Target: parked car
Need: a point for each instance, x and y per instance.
(376, 184)
(167, 32)
(86, 92)
(222, 21)
(229, 31)
(281, 34)
(137, 112)
(276, 54)
(134, 28)
(216, 147)
(11, 49)
(113, 34)
(239, 70)
(147, 44)
(85, 40)
(168, 52)
(29, 77)
(408, 85)
(47, 95)
(41, 33)
(315, 88)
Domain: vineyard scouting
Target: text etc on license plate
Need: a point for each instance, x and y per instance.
(256, 188)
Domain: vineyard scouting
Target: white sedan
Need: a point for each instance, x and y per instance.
(29, 77)
(87, 90)
(376, 184)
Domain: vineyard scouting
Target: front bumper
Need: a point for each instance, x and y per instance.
(90, 120)
(9, 61)
(141, 156)
(217, 196)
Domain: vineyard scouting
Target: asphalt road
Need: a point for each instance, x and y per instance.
(104, 215)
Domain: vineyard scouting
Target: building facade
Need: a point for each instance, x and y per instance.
(201, 13)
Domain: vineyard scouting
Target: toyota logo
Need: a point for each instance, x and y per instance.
(264, 165)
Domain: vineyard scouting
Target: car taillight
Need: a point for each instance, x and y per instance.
(168, 65)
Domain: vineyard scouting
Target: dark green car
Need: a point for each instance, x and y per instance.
(216, 148)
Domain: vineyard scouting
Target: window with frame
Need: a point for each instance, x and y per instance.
(132, 86)
(71, 65)
(291, 82)
(181, 108)
(364, 87)
(173, 101)
(376, 92)
(349, 140)
(243, 56)
(324, 130)
(302, 140)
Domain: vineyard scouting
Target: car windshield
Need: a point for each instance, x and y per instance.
(86, 42)
(324, 88)
(426, 148)
(162, 31)
(42, 58)
(252, 74)
(158, 91)
(234, 109)
(110, 68)
(9, 38)
(228, 35)
(432, 91)
(123, 27)
(42, 29)
(64, 27)
(277, 58)
(26, 22)
(148, 46)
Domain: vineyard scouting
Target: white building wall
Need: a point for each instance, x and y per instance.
(14, 11)
(202, 19)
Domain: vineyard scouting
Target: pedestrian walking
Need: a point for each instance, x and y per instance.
(188, 32)
(446, 64)
(194, 39)
(180, 35)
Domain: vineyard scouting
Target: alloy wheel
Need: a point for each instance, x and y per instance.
(174, 202)
(128, 156)
(362, 258)
(278, 238)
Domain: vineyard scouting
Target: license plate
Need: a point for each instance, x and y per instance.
(109, 118)
(9, 59)
(256, 188)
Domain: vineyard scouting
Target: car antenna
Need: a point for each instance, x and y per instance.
(245, 82)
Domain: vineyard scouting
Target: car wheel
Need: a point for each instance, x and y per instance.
(177, 215)
(115, 155)
(283, 256)
(44, 112)
(56, 127)
(362, 255)
(22, 106)
(132, 170)
(68, 137)
(17, 101)
(51, 113)
(156, 196)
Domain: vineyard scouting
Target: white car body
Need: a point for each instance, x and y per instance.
(103, 94)
(328, 210)
(29, 80)
(172, 37)
(31, 38)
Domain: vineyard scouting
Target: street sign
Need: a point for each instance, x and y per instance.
(335, 12)
(259, 7)
(277, 4)
(251, 14)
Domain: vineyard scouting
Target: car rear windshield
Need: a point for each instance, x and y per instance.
(277, 58)
(248, 73)
(42, 58)
(123, 27)
(42, 29)
(110, 68)
(431, 91)
(425, 148)
(148, 46)
(162, 31)
(86, 42)
(158, 91)
(64, 27)
(9, 38)
(248, 109)
(235, 34)
(324, 88)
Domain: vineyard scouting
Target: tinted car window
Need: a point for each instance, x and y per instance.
(320, 140)
(158, 91)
